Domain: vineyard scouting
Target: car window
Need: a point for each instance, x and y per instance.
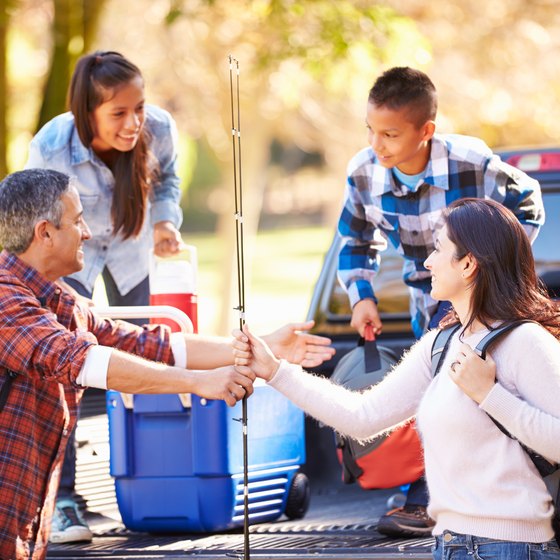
(389, 288)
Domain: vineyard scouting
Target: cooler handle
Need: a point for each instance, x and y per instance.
(147, 311)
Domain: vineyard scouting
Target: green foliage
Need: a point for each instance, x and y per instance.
(186, 160)
(175, 12)
(319, 33)
(204, 174)
(323, 31)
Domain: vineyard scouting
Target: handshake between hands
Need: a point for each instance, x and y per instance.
(260, 357)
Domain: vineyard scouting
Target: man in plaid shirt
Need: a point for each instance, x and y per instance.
(52, 346)
(396, 191)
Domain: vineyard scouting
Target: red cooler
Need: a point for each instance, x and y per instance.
(173, 282)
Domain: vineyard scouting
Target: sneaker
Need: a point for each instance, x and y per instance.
(68, 525)
(407, 521)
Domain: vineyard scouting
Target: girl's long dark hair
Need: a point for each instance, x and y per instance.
(96, 75)
(506, 286)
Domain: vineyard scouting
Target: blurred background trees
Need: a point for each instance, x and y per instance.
(73, 32)
(306, 69)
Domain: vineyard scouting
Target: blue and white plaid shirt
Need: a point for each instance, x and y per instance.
(378, 209)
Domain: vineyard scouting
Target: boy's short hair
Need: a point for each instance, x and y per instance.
(406, 87)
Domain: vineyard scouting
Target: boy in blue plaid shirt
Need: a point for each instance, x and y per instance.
(396, 191)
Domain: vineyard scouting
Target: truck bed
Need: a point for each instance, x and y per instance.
(340, 522)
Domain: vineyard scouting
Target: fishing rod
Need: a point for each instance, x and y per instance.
(238, 192)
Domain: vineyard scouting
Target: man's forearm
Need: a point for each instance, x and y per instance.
(206, 352)
(132, 374)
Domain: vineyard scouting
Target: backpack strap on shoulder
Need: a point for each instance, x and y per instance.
(439, 350)
(543, 466)
(496, 333)
(440, 346)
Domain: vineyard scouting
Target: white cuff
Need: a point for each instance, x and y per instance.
(96, 365)
(179, 349)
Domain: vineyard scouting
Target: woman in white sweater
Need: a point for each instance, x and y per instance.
(486, 496)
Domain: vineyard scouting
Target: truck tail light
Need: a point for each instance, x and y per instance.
(542, 161)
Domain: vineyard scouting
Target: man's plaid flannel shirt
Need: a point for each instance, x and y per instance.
(377, 209)
(44, 337)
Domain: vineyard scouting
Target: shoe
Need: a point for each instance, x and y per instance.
(407, 521)
(68, 525)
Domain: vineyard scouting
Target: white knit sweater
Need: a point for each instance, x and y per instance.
(480, 481)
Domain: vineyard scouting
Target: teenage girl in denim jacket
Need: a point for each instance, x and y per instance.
(123, 153)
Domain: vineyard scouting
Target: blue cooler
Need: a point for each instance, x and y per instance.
(177, 460)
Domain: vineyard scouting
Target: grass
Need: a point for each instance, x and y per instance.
(280, 272)
(280, 277)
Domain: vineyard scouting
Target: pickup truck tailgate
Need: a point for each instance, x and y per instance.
(340, 522)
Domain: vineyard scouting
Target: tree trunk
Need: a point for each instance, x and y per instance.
(75, 27)
(4, 19)
(66, 32)
(91, 15)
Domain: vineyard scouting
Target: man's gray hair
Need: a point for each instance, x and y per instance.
(26, 198)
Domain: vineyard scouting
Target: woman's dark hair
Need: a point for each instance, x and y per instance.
(506, 286)
(95, 79)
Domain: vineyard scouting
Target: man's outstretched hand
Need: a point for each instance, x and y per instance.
(292, 343)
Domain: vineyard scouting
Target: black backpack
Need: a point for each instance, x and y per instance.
(550, 472)
(391, 459)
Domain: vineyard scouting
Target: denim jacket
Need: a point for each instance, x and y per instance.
(58, 146)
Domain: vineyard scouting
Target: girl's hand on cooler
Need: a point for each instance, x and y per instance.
(167, 239)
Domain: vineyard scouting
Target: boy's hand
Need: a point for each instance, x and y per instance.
(365, 313)
(253, 356)
(297, 347)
